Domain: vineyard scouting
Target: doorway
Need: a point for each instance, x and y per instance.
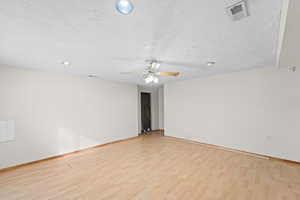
(146, 112)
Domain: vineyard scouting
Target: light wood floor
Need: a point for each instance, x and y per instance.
(153, 168)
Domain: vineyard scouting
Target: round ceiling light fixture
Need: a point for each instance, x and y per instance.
(124, 6)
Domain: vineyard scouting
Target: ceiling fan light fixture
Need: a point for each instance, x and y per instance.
(149, 79)
(155, 65)
(124, 7)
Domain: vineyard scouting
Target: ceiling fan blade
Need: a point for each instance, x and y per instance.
(182, 64)
(168, 73)
(142, 59)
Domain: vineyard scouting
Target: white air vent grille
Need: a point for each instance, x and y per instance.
(238, 11)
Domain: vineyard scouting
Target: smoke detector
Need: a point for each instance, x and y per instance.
(238, 11)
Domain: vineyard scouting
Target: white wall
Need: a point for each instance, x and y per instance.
(283, 20)
(161, 107)
(256, 111)
(58, 113)
(289, 34)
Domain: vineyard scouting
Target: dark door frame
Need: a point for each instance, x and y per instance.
(150, 112)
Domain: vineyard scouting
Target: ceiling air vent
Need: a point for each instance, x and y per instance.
(238, 11)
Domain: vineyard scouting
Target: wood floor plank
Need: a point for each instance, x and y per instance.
(154, 167)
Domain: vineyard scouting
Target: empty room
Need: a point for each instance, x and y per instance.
(149, 100)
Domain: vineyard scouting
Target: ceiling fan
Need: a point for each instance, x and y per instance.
(152, 73)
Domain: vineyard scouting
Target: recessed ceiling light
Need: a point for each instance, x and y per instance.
(210, 63)
(66, 63)
(124, 6)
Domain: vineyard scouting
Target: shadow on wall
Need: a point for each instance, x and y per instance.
(69, 141)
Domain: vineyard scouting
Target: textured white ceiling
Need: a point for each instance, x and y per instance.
(95, 39)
